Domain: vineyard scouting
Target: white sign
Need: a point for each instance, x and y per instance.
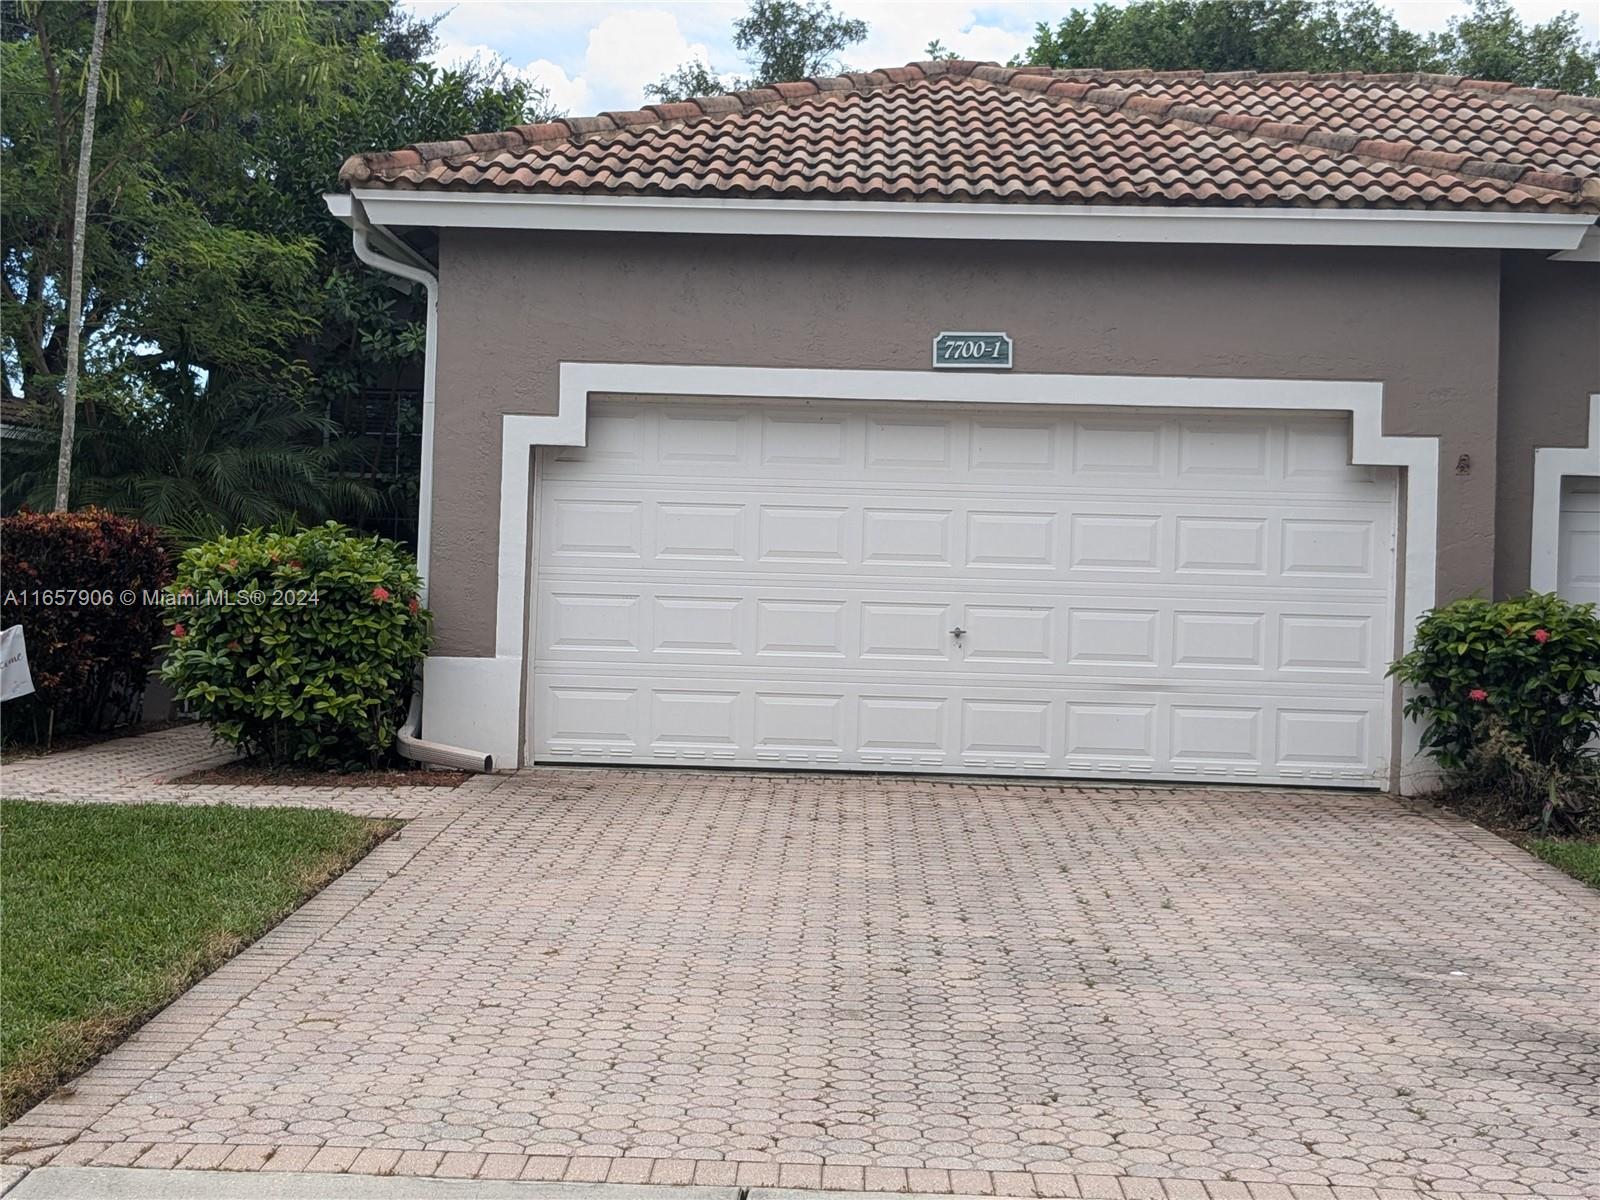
(15, 678)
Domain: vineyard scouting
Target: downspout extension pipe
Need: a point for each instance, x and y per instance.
(409, 741)
(436, 753)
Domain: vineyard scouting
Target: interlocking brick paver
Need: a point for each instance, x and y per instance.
(140, 768)
(897, 984)
(379, 1162)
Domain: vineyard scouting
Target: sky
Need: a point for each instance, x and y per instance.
(593, 55)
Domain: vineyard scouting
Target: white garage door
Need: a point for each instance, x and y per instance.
(1146, 596)
(1578, 552)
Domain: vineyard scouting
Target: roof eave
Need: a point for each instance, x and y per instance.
(1159, 224)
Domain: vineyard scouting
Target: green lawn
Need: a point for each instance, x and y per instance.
(107, 912)
(1579, 858)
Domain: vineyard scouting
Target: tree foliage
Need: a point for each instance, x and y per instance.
(1490, 42)
(692, 78)
(794, 39)
(783, 40)
(217, 284)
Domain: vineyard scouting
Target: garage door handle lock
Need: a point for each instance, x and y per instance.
(958, 633)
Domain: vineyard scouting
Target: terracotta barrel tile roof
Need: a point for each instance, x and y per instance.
(974, 132)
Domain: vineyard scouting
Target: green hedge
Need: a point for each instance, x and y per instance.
(77, 583)
(1531, 663)
(299, 648)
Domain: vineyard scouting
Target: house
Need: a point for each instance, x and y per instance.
(959, 418)
(25, 421)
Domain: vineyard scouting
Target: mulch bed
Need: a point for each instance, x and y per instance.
(240, 774)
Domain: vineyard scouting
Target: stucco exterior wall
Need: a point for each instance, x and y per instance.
(1549, 365)
(515, 305)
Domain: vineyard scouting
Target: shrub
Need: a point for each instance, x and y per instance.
(1510, 691)
(77, 583)
(298, 647)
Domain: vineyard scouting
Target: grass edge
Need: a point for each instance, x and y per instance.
(108, 1030)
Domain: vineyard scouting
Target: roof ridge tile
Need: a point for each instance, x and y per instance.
(1398, 151)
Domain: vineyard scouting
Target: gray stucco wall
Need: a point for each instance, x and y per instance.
(514, 305)
(1549, 364)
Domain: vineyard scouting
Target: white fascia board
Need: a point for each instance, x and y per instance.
(341, 206)
(993, 222)
(1587, 250)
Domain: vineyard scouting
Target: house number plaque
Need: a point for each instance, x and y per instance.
(959, 351)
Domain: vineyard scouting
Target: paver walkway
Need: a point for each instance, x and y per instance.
(140, 769)
(896, 984)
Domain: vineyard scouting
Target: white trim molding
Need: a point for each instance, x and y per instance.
(1587, 250)
(493, 689)
(1551, 465)
(1006, 222)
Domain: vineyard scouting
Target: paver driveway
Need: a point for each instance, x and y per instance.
(897, 984)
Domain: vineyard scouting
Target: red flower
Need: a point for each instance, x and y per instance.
(1477, 694)
(414, 606)
(295, 564)
(179, 631)
(380, 593)
(1541, 636)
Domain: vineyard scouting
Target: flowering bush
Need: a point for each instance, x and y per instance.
(77, 583)
(1513, 686)
(298, 647)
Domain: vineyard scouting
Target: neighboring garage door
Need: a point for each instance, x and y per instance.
(1150, 596)
(1578, 552)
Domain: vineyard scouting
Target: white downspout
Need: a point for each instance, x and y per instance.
(360, 238)
(409, 741)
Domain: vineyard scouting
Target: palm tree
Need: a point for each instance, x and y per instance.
(209, 458)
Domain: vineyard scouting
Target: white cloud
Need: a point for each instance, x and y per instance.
(899, 33)
(569, 95)
(623, 51)
(628, 50)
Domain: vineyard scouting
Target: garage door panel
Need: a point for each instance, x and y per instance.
(1208, 452)
(1139, 597)
(810, 447)
(907, 630)
(701, 531)
(1342, 549)
(1226, 545)
(1100, 728)
(706, 437)
(1197, 541)
(1231, 735)
(1013, 449)
(694, 624)
(586, 622)
(1021, 632)
(907, 730)
(1327, 642)
(1578, 542)
(907, 537)
(1100, 731)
